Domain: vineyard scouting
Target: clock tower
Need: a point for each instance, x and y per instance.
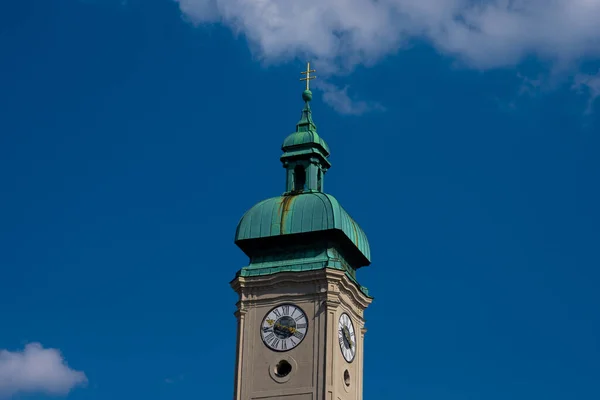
(301, 308)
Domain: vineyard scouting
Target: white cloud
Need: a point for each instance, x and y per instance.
(340, 34)
(37, 370)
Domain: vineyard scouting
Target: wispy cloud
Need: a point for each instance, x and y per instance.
(340, 100)
(37, 370)
(340, 34)
(529, 86)
(174, 379)
(589, 84)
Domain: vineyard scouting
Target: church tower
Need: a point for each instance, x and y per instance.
(300, 311)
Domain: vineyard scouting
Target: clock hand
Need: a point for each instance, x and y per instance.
(285, 328)
(347, 337)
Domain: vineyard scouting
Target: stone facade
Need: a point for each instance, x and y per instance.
(319, 371)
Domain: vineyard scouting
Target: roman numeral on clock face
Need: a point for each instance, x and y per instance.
(284, 327)
(346, 337)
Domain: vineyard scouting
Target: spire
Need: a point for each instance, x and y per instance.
(306, 123)
(305, 153)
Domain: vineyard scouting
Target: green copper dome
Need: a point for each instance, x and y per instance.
(301, 214)
(304, 229)
(305, 138)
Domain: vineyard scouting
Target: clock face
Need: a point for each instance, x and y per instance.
(347, 337)
(284, 327)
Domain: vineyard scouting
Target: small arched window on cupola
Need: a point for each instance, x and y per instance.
(319, 180)
(299, 178)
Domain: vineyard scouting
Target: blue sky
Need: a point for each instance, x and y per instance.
(134, 135)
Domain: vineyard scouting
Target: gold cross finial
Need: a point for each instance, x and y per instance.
(307, 78)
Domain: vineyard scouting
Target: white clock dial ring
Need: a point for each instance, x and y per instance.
(347, 337)
(284, 327)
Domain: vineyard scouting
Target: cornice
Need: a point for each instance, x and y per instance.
(329, 283)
